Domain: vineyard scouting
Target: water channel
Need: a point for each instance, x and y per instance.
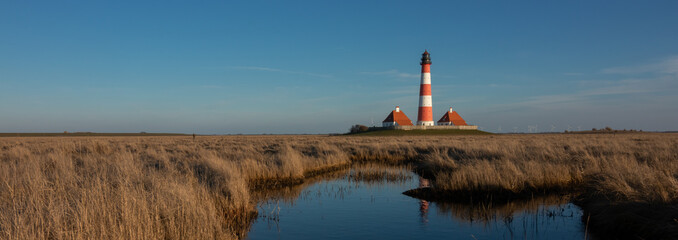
(353, 204)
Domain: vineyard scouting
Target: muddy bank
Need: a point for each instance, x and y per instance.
(630, 220)
(496, 196)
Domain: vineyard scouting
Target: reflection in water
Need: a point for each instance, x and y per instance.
(527, 219)
(423, 204)
(365, 202)
(487, 212)
(290, 194)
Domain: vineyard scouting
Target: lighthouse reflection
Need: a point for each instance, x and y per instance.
(423, 204)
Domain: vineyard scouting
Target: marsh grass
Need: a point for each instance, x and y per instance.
(143, 188)
(371, 173)
(180, 188)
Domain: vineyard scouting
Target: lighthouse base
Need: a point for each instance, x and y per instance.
(425, 123)
(438, 127)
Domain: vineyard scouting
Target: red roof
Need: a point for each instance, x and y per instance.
(398, 117)
(453, 117)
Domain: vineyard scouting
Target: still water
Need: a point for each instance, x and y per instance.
(343, 206)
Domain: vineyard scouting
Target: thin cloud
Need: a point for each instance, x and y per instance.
(573, 74)
(211, 86)
(631, 86)
(267, 69)
(393, 73)
(495, 85)
(666, 66)
(590, 95)
(665, 80)
(404, 90)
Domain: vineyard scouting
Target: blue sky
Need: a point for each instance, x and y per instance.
(216, 67)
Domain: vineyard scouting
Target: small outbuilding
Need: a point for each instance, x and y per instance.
(452, 118)
(396, 118)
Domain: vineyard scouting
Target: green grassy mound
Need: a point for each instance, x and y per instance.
(392, 132)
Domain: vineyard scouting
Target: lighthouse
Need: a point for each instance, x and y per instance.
(397, 120)
(425, 116)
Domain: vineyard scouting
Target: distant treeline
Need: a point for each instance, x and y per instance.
(606, 130)
(76, 134)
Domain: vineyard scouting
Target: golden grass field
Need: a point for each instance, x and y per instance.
(174, 187)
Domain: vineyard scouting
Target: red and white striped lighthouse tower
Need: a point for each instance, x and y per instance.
(425, 116)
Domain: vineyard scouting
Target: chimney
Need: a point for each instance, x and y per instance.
(450, 109)
(397, 109)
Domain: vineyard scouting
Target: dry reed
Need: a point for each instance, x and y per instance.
(177, 187)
